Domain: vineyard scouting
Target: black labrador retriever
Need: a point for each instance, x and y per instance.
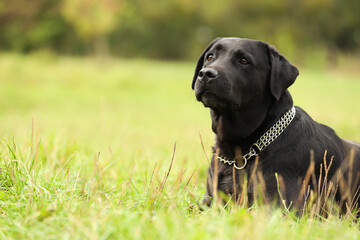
(244, 83)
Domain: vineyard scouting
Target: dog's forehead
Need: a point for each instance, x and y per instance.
(243, 44)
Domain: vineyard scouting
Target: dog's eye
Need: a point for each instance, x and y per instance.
(244, 61)
(210, 57)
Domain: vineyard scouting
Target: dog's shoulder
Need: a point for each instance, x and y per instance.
(308, 126)
(311, 135)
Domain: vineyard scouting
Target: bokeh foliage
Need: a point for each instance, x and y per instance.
(175, 29)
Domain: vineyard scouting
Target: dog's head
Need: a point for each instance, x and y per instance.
(233, 73)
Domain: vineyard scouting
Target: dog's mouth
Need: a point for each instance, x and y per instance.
(211, 100)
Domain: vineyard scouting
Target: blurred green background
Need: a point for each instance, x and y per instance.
(179, 29)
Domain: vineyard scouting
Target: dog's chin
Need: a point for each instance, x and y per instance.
(212, 101)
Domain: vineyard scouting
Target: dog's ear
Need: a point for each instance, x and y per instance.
(282, 73)
(200, 62)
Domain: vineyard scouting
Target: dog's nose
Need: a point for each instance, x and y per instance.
(207, 74)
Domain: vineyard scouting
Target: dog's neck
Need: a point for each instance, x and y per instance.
(235, 129)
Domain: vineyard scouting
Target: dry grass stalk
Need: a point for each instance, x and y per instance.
(262, 186)
(203, 148)
(305, 183)
(234, 184)
(168, 172)
(188, 181)
(281, 190)
(215, 175)
(253, 180)
(242, 198)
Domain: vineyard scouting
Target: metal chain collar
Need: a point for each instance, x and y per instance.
(264, 140)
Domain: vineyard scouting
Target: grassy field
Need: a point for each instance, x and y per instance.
(87, 145)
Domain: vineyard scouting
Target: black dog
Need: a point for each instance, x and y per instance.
(244, 83)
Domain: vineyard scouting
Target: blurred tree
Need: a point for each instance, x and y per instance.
(25, 25)
(93, 20)
(177, 29)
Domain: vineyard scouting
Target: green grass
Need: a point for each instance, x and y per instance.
(87, 145)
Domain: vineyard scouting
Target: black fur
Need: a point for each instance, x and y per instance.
(245, 100)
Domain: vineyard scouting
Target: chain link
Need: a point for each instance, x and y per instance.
(268, 137)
